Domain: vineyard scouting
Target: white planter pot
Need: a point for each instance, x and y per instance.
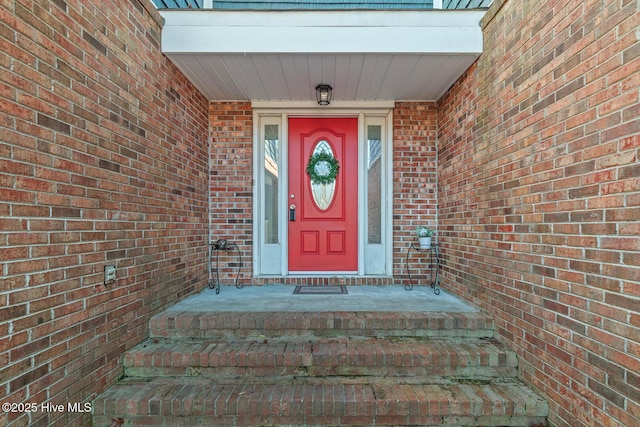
(425, 242)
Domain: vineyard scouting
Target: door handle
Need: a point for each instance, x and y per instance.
(292, 212)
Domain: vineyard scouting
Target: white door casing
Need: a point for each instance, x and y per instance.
(270, 177)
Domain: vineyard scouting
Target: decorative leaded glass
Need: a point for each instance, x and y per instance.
(323, 193)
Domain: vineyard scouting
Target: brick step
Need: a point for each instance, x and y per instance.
(464, 358)
(202, 401)
(321, 324)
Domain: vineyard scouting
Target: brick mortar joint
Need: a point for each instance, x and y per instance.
(492, 12)
(152, 11)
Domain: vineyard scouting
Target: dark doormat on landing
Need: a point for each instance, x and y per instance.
(320, 290)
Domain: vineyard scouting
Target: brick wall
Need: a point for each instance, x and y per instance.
(539, 198)
(414, 185)
(231, 186)
(103, 161)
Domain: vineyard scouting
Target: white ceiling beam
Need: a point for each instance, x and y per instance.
(447, 32)
(322, 40)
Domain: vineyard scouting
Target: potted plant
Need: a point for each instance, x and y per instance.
(424, 236)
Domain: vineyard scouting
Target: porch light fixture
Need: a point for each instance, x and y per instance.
(324, 93)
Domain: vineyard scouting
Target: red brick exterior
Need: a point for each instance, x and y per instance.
(231, 186)
(539, 199)
(103, 162)
(531, 160)
(414, 185)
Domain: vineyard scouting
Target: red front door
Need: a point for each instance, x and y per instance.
(324, 234)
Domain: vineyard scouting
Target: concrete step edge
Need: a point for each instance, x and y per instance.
(330, 324)
(304, 353)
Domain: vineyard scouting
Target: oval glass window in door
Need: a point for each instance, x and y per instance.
(323, 193)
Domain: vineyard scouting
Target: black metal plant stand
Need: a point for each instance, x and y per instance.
(434, 263)
(214, 275)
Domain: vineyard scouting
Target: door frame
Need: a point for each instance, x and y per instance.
(271, 259)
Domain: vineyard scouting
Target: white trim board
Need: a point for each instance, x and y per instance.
(388, 31)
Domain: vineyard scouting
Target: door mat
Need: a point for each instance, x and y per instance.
(320, 290)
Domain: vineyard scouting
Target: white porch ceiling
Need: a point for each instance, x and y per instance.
(282, 56)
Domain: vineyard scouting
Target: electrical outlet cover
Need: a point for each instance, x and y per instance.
(109, 274)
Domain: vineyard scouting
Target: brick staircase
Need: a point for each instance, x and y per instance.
(320, 368)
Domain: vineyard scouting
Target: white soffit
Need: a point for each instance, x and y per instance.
(364, 55)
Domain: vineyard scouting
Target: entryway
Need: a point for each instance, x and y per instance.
(323, 191)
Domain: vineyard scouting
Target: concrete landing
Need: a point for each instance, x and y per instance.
(360, 298)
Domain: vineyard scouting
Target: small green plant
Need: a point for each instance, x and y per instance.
(424, 231)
